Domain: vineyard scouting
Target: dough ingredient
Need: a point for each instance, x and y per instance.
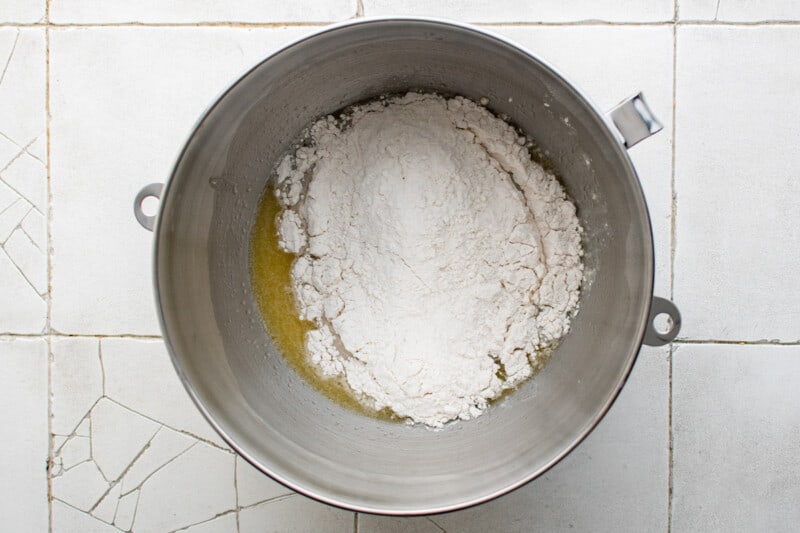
(436, 260)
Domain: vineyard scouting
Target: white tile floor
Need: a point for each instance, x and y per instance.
(96, 97)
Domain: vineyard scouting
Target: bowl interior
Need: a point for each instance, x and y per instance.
(248, 391)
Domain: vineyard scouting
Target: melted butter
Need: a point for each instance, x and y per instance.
(270, 270)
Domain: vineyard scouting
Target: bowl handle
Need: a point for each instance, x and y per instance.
(153, 190)
(654, 337)
(634, 120)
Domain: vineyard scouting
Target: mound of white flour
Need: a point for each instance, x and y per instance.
(433, 256)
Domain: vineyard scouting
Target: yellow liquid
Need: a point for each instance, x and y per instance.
(270, 270)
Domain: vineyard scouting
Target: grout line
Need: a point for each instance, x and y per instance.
(670, 461)
(48, 246)
(208, 24)
(672, 241)
(236, 489)
(355, 522)
(763, 342)
(98, 336)
(278, 25)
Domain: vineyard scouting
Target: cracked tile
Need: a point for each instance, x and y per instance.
(107, 508)
(82, 487)
(111, 11)
(28, 177)
(23, 178)
(35, 227)
(254, 486)
(396, 524)
(74, 451)
(7, 194)
(23, 431)
(30, 260)
(84, 428)
(223, 524)
(67, 519)
(500, 11)
(741, 11)
(297, 514)
(161, 397)
(58, 441)
(77, 381)
(12, 216)
(22, 89)
(165, 446)
(126, 510)
(184, 493)
(99, 162)
(29, 312)
(118, 437)
(25, 11)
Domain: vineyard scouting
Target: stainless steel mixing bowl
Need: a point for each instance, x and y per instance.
(246, 389)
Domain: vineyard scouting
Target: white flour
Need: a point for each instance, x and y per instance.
(433, 256)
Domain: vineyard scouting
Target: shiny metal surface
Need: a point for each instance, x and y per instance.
(153, 190)
(634, 120)
(654, 337)
(246, 389)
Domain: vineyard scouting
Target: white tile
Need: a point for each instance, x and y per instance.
(35, 226)
(28, 177)
(397, 524)
(84, 428)
(699, 9)
(22, 89)
(23, 431)
(29, 312)
(223, 524)
(616, 480)
(12, 216)
(30, 260)
(738, 240)
(161, 396)
(126, 510)
(109, 11)
(253, 486)
(522, 11)
(22, 176)
(165, 446)
(107, 508)
(739, 10)
(7, 195)
(59, 441)
(118, 437)
(193, 488)
(81, 487)
(735, 444)
(75, 450)
(67, 519)
(297, 514)
(110, 141)
(610, 64)
(77, 381)
(22, 11)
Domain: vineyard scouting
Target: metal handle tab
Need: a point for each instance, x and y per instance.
(153, 190)
(634, 120)
(661, 306)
